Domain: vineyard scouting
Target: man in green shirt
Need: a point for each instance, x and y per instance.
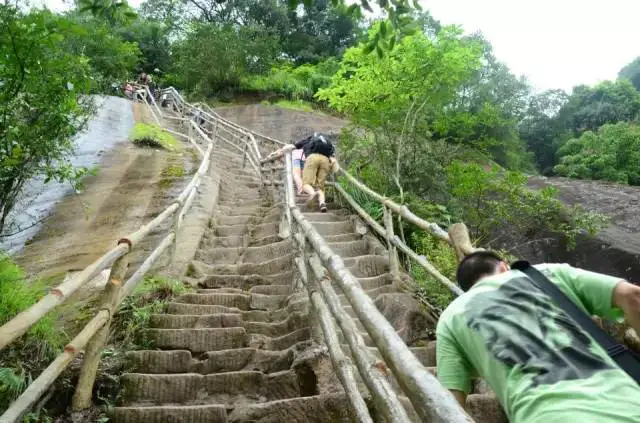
(541, 365)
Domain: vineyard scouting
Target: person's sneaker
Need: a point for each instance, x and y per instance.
(323, 207)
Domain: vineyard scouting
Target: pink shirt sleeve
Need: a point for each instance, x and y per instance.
(297, 154)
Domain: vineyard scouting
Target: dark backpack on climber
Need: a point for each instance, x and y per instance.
(319, 144)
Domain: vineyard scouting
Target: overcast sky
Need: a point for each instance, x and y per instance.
(555, 43)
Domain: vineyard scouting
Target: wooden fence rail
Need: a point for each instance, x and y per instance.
(93, 336)
(430, 400)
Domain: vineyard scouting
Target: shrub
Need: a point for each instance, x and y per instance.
(147, 135)
(26, 357)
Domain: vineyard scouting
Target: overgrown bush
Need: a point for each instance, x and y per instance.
(25, 358)
(611, 153)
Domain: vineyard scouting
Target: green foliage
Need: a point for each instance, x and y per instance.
(110, 57)
(150, 135)
(295, 83)
(111, 11)
(150, 297)
(42, 101)
(212, 60)
(490, 200)
(612, 153)
(23, 359)
(152, 38)
(631, 72)
(443, 257)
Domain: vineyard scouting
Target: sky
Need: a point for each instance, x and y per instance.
(554, 43)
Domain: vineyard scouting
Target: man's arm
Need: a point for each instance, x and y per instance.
(626, 296)
(454, 371)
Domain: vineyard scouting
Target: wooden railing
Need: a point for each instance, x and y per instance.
(93, 336)
(317, 265)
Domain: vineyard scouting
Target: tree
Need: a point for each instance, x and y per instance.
(612, 153)
(632, 73)
(588, 108)
(213, 59)
(112, 11)
(112, 59)
(152, 38)
(319, 31)
(539, 127)
(43, 103)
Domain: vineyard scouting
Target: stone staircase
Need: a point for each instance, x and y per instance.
(241, 348)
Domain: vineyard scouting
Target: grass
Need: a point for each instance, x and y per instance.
(173, 171)
(26, 357)
(147, 135)
(150, 297)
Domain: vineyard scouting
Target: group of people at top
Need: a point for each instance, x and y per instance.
(534, 347)
(144, 79)
(313, 160)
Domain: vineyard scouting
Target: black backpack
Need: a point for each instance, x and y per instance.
(319, 144)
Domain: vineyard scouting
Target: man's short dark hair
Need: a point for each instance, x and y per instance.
(476, 265)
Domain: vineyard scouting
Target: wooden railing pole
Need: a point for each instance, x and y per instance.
(84, 389)
(460, 240)
(393, 253)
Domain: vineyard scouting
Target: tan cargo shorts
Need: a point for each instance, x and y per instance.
(316, 169)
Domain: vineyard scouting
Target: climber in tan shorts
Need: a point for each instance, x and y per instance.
(319, 152)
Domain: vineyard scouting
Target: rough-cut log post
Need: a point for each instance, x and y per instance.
(289, 196)
(432, 402)
(341, 365)
(459, 235)
(39, 386)
(84, 389)
(368, 365)
(422, 261)
(393, 253)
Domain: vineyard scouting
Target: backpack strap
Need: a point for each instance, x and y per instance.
(625, 358)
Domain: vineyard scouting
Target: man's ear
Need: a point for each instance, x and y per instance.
(503, 267)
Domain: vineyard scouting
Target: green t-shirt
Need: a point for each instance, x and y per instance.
(540, 364)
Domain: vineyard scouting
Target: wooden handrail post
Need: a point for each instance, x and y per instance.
(84, 389)
(460, 240)
(393, 253)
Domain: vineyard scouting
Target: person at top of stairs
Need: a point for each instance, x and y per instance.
(539, 362)
(319, 153)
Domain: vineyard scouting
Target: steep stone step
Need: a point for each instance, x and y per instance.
(350, 248)
(367, 266)
(228, 241)
(342, 238)
(182, 361)
(327, 217)
(198, 340)
(485, 408)
(171, 413)
(219, 255)
(269, 267)
(218, 388)
(228, 231)
(251, 315)
(291, 323)
(264, 230)
(239, 301)
(267, 252)
(278, 343)
(223, 220)
(333, 228)
(195, 321)
(244, 282)
(314, 409)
